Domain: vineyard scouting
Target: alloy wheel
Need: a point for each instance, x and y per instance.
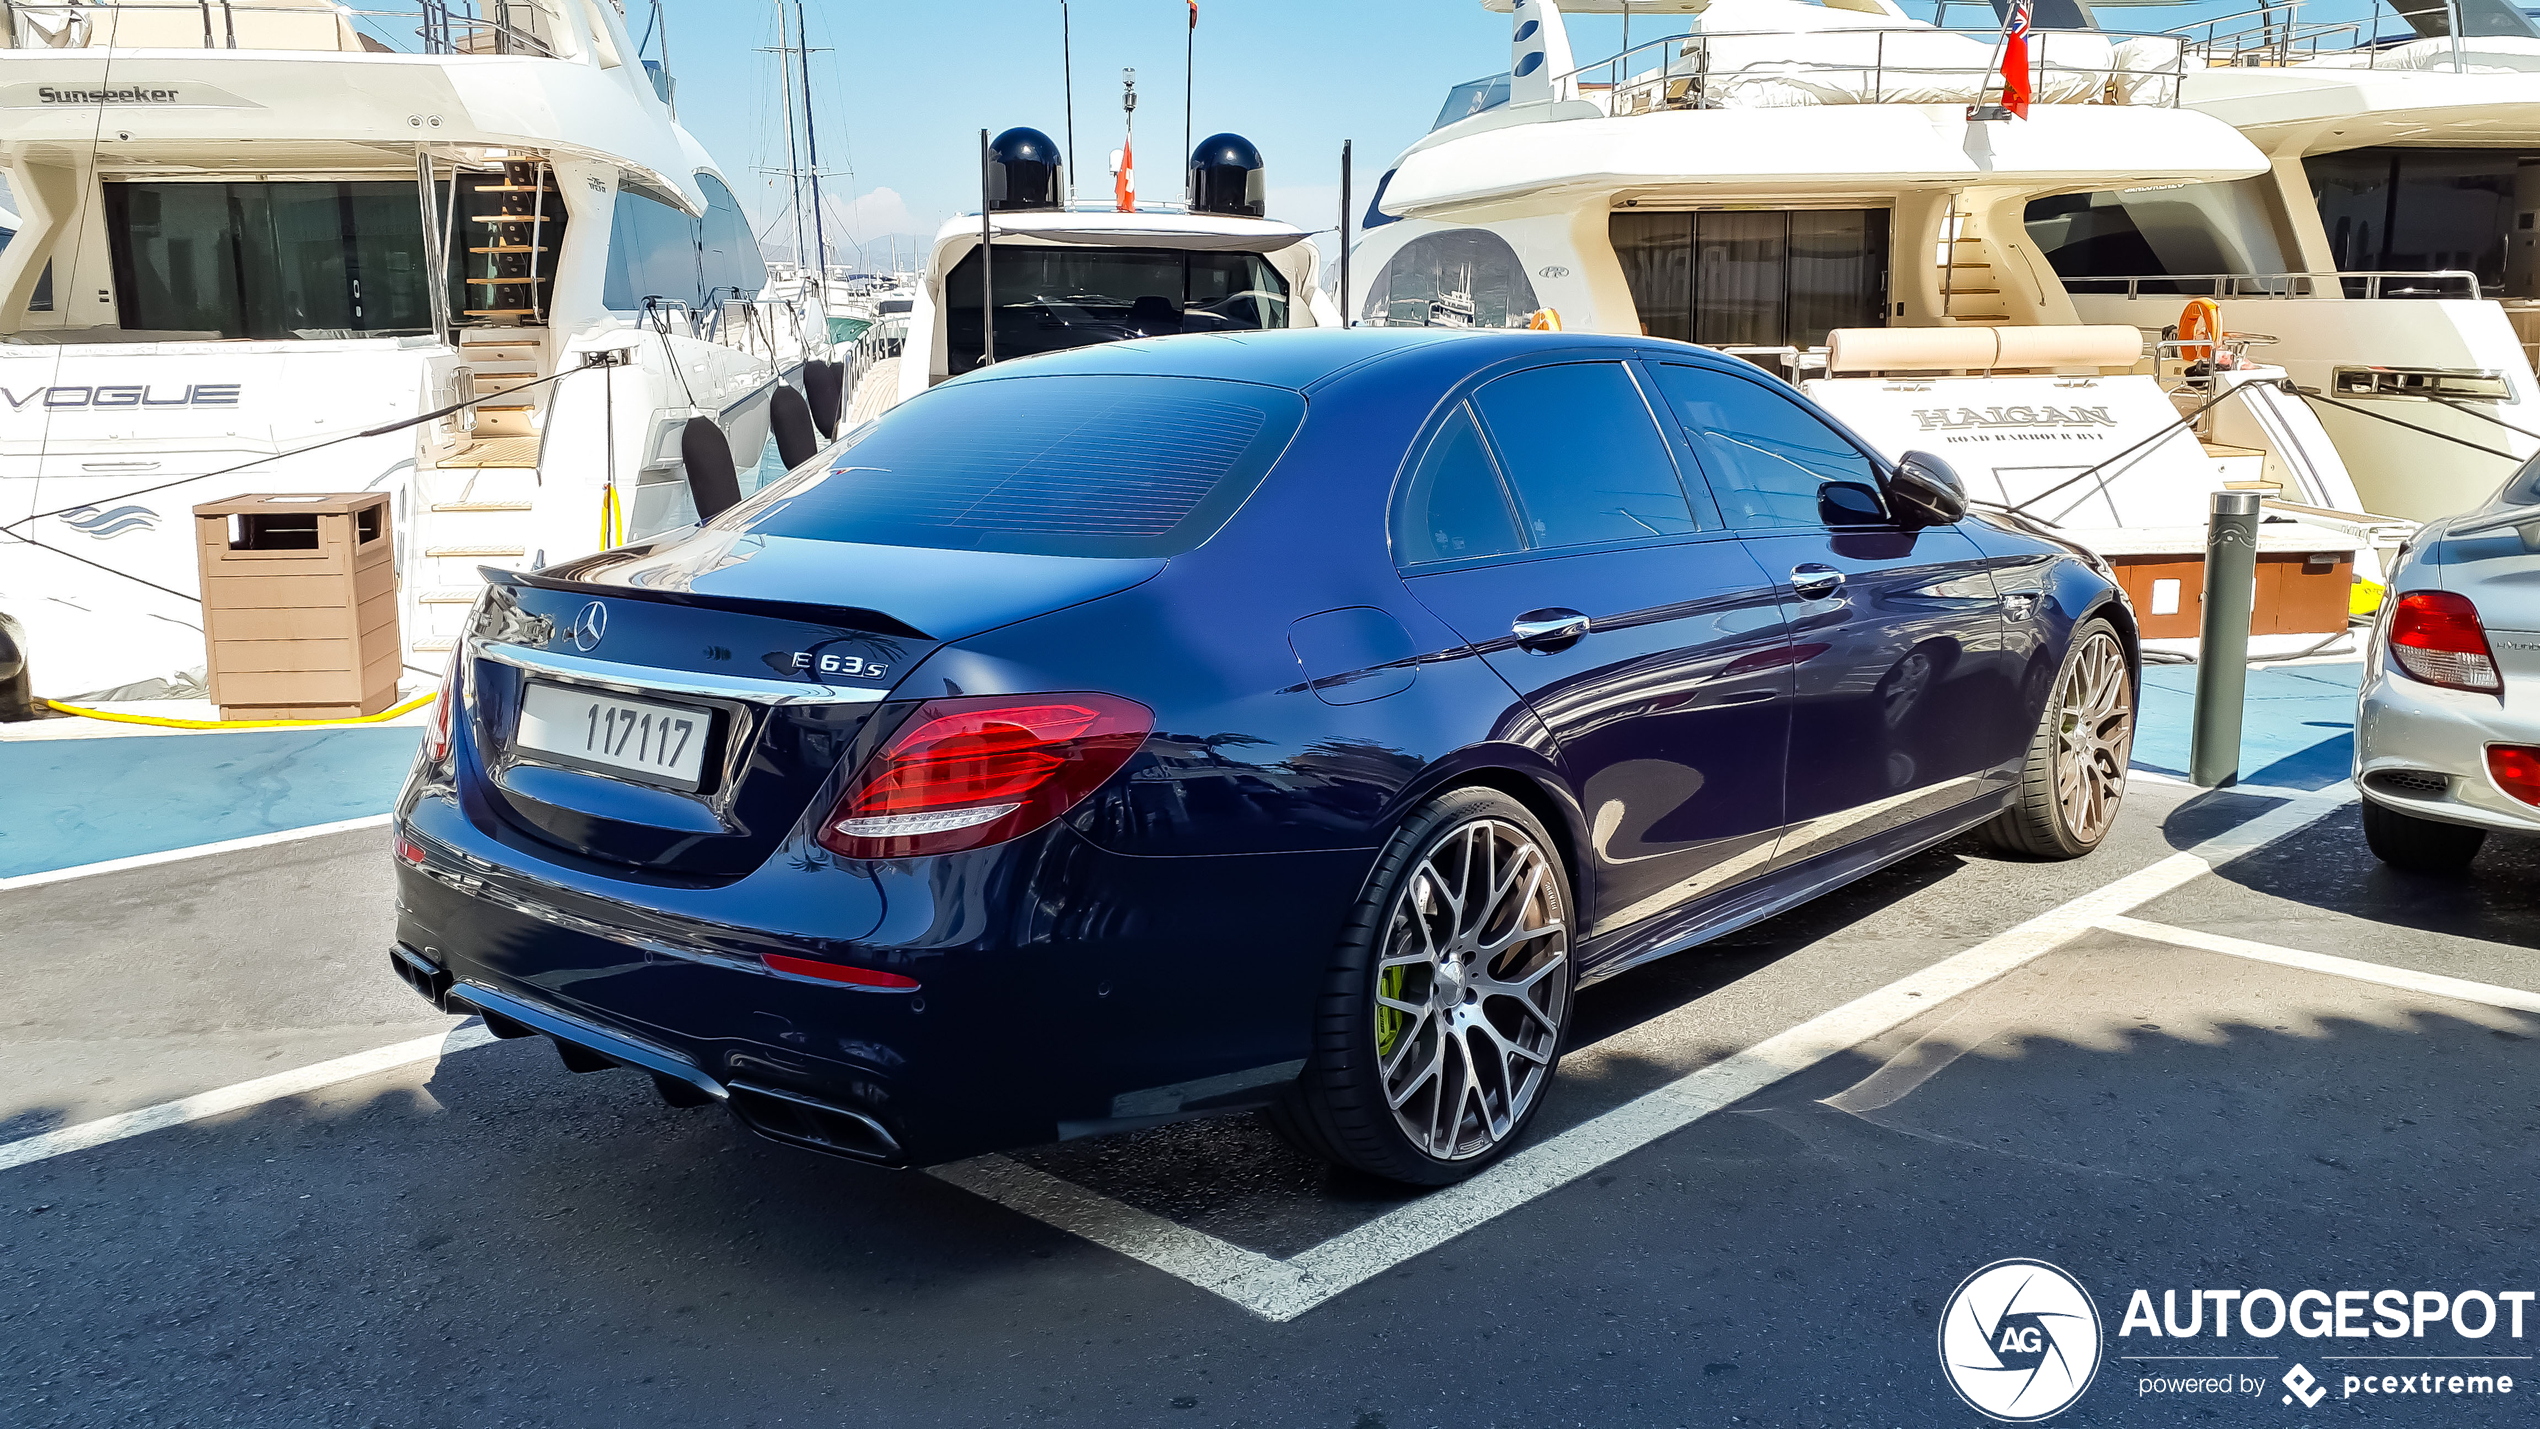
(1471, 989)
(2094, 737)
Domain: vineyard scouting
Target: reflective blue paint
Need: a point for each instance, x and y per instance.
(1701, 754)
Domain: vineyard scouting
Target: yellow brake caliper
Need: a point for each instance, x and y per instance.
(1389, 1020)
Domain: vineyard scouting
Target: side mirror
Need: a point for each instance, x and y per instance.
(1850, 503)
(1926, 491)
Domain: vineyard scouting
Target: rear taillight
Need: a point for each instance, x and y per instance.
(2516, 769)
(436, 725)
(2435, 636)
(963, 773)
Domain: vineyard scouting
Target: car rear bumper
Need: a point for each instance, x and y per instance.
(2422, 750)
(1139, 990)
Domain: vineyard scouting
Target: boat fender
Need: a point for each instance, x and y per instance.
(17, 683)
(2199, 323)
(825, 384)
(712, 480)
(790, 417)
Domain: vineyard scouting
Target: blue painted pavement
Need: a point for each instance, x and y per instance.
(65, 802)
(2298, 731)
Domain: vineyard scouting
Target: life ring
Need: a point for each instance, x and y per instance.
(1544, 320)
(2199, 323)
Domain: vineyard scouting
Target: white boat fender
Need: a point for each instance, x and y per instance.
(712, 479)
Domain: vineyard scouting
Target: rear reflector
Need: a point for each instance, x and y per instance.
(2436, 637)
(964, 773)
(836, 972)
(408, 851)
(2516, 768)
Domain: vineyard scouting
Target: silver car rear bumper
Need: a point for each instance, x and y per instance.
(2422, 750)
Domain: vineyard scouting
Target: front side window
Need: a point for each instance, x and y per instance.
(1584, 456)
(1050, 299)
(1091, 465)
(730, 262)
(1453, 508)
(269, 260)
(1768, 456)
(652, 254)
(1464, 277)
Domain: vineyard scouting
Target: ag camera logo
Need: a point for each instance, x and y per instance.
(2019, 1341)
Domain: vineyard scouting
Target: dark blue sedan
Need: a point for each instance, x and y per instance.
(1291, 720)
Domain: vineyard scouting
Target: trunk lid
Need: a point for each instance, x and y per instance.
(779, 652)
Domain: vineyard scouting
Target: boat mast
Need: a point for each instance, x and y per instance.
(811, 143)
(793, 157)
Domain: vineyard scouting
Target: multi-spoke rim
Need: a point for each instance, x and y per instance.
(1471, 989)
(2094, 736)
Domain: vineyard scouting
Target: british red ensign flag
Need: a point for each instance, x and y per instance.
(2015, 86)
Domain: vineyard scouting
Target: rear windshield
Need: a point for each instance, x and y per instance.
(1096, 465)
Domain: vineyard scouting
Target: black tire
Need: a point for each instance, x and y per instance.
(2041, 821)
(1339, 1109)
(2419, 845)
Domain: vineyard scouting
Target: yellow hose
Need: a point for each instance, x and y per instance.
(409, 707)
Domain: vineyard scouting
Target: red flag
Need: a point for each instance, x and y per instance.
(1124, 185)
(1194, 14)
(2015, 75)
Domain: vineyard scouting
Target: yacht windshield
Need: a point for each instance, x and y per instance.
(1471, 97)
(1049, 299)
(269, 260)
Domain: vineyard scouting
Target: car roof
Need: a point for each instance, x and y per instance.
(1298, 359)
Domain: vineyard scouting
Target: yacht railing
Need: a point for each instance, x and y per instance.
(442, 27)
(1717, 69)
(886, 339)
(2438, 283)
(2274, 36)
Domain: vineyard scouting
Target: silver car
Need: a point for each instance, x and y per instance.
(2447, 733)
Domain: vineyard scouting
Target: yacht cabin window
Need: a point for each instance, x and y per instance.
(1754, 278)
(308, 259)
(1050, 299)
(1464, 277)
(657, 251)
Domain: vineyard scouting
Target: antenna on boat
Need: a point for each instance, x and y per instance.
(1190, 43)
(1067, 73)
(987, 258)
(1345, 232)
(1124, 187)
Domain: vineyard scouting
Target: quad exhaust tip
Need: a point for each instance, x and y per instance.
(789, 1117)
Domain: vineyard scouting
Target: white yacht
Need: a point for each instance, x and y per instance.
(2388, 250)
(1835, 192)
(261, 237)
(1070, 275)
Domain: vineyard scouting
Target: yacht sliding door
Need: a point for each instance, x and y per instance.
(1754, 278)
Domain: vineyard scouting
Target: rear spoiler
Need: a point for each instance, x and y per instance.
(853, 617)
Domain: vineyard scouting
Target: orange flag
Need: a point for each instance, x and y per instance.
(1124, 185)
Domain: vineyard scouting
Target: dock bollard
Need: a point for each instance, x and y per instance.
(2222, 656)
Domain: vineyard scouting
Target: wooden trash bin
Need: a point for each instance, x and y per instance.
(299, 604)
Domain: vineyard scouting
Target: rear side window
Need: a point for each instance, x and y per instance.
(1769, 455)
(1584, 455)
(1091, 465)
(1453, 508)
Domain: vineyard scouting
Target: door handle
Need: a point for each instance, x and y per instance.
(1548, 631)
(1815, 582)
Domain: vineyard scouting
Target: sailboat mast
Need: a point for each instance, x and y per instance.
(811, 142)
(793, 156)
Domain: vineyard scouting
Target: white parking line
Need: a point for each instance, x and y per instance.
(241, 1095)
(145, 860)
(1280, 1290)
(2404, 979)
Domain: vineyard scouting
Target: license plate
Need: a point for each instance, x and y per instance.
(614, 734)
